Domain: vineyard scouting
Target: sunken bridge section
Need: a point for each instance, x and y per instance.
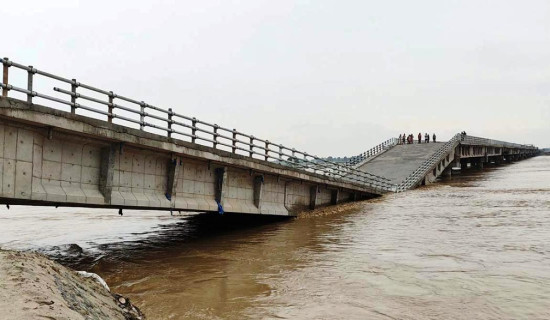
(78, 145)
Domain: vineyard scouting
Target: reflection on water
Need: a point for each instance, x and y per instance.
(472, 247)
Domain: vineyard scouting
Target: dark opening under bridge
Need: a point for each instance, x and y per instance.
(84, 146)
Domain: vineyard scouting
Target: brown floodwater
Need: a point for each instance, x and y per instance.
(476, 246)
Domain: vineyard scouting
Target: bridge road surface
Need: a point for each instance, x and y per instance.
(400, 161)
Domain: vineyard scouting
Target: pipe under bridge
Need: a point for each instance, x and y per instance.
(77, 145)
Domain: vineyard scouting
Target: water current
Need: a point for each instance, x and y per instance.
(475, 246)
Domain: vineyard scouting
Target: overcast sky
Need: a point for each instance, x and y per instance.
(327, 77)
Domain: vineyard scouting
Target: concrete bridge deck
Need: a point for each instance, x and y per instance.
(112, 151)
(400, 161)
(407, 166)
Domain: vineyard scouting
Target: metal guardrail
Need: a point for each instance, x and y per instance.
(178, 124)
(355, 160)
(471, 140)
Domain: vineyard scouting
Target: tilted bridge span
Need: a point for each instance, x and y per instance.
(79, 145)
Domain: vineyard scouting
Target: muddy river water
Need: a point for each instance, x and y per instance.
(476, 246)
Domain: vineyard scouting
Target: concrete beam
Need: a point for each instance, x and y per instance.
(16, 110)
(258, 187)
(313, 191)
(106, 170)
(174, 169)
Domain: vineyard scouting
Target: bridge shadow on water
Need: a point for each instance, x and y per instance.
(193, 230)
(190, 229)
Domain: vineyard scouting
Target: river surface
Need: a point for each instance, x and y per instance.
(476, 246)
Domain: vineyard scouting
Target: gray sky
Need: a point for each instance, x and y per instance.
(327, 77)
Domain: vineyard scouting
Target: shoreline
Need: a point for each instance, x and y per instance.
(32, 287)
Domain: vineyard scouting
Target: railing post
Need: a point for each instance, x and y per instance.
(73, 96)
(142, 116)
(234, 142)
(251, 146)
(266, 150)
(215, 135)
(5, 77)
(30, 74)
(110, 107)
(280, 152)
(169, 122)
(193, 130)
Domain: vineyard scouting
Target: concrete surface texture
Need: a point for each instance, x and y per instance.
(400, 161)
(49, 157)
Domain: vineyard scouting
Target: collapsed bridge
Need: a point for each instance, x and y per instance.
(79, 145)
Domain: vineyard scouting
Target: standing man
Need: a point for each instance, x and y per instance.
(419, 138)
(434, 137)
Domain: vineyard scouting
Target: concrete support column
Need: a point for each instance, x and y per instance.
(258, 187)
(221, 182)
(313, 191)
(106, 170)
(174, 169)
(457, 163)
(334, 196)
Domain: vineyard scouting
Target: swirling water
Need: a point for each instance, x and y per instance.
(476, 246)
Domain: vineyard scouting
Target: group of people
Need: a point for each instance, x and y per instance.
(409, 139)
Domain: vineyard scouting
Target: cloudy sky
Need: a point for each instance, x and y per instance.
(327, 77)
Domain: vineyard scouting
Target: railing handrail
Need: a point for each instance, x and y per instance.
(374, 151)
(472, 140)
(218, 135)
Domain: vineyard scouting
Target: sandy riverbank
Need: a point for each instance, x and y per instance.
(34, 287)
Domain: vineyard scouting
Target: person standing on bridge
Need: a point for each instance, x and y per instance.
(399, 139)
(403, 138)
(434, 138)
(426, 138)
(419, 138)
